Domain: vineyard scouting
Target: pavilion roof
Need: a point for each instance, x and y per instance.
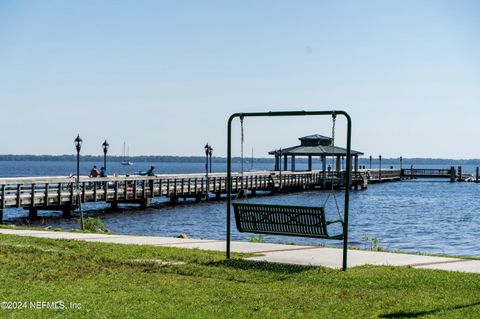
(316, 145)
(316, 151)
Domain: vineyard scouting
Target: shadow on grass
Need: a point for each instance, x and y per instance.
(415, 314)
(242, 264)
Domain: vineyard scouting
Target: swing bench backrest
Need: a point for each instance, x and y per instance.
(283, 220)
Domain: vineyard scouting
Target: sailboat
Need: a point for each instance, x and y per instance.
(126, 154)
(251, 164)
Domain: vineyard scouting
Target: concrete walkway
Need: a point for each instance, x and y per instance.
(287, 254)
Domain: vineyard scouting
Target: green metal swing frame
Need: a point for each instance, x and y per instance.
(286, 219)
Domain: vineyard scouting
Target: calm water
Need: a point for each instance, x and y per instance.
(412, 216)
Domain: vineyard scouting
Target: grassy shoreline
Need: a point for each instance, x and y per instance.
(129, 281)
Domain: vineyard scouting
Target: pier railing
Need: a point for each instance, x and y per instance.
(64, 193)
(383, 175)
(430, 173)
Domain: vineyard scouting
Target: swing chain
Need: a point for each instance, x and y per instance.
(334, 119)
(241, 146)
(241, 192)
(332, 174)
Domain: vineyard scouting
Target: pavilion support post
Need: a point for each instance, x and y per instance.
(293, 163)
(285, 162)
(476, 174)
(337, 164)
(310, 162)
(277, 163)
(324, 171)
(356, 163)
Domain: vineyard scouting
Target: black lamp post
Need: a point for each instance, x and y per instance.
(370, 161)
(280, 160)
(279, 153)
(401, 162)
(277, 160)
(210, 152)
(78, 146)
(207, 148)
(105, 150)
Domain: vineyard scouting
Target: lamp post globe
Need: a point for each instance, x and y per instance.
(78, 143)
(206, 158)
(105, 151)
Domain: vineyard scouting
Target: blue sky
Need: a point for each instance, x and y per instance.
(165, 75)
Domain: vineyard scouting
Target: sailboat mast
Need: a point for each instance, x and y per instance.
(251, 164)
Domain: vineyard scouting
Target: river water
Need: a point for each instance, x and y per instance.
(426, 216)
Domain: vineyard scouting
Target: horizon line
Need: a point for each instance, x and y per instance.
(224, 157)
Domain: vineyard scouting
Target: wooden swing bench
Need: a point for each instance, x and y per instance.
(285, 220)
(281, 219)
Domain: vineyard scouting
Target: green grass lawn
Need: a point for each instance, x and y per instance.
(127, 281)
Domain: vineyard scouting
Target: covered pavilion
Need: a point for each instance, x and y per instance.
(314, 146)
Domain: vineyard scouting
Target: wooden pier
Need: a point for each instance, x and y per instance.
(394, 175)
(65, 194)
(452, 173)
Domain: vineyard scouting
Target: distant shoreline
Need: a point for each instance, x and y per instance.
(201, 159)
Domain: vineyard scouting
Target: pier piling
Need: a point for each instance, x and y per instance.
(33, 213)
(144, 203)
(67, 212)
(452, 174)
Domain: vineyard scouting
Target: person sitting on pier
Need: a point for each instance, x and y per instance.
(94, 172)
(103, 172)
(150, 171)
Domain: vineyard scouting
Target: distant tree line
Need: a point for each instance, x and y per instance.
(421, 161)
(137, 159)
(201, 159)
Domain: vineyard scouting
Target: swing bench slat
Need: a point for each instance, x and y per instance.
(285, 220)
